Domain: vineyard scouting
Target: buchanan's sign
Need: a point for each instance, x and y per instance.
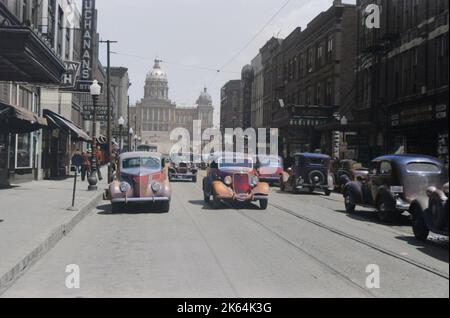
(88, 39)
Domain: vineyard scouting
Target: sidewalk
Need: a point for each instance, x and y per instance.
(34, 217)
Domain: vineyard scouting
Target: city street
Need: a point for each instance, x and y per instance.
(301, 246)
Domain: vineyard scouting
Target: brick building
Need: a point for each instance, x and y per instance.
(309, 77)
(231, 112)
(402, 78)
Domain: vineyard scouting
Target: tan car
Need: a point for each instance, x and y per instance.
(233, 178)
(142, 177)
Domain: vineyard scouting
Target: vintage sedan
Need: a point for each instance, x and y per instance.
(232, 177)
(431, 216)
(349, 170)
(182, 168)
(393, 183)
(309, 172)
(142, 177)
(270, 168)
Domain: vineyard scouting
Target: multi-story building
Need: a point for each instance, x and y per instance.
(156, 115)
(30, 51)
(247, 79)
(231, 111)
(403, 78)
(309, 77)
(257, 97)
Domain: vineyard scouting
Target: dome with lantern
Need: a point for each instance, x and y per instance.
(204, 99)
(157, 74)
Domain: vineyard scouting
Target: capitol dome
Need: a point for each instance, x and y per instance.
(157, 74)
(204, 99)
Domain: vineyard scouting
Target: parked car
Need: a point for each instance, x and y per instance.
(269, 168)
(309, 172)
(393, 183)
(142, 177)
(182, 168)
(349, 170)
(431, 216)
(233, 178)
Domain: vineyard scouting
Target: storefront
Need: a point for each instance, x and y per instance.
(420, 129)
(59, 142)
(19, 143)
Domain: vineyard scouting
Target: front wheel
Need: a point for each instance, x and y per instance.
(206, 197)
(421, 232)
(349, 206)
(263, 203)
(385, 210)
(282, 185)
(215, 202)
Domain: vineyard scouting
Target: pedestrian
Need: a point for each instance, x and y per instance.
(77, 160)
(86, 166)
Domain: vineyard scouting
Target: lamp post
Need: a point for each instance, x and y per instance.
(95, 90)
(135, 142)
(130, 135)
(121, 123)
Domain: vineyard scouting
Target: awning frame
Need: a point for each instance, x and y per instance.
(60, 122)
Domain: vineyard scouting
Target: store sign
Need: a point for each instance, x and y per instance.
(85, 86)
(71, 75)
(87, 39)
(441, 111)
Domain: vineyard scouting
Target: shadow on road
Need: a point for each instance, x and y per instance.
(371, 216)
(131, 209)
(226, 205)
(433, 248)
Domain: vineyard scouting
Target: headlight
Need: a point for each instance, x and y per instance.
(124, 187)
(254, 181)
(156, 187)
(228, 180)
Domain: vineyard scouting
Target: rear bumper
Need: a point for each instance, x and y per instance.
(315, 186)
(140, 200)
(186, 176)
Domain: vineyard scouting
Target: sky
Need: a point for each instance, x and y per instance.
(195, 38)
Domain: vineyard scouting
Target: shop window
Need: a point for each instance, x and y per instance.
(24, 151)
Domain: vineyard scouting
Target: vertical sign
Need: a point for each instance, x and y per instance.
(87, 39)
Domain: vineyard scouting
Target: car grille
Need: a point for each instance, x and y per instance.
(241, 183)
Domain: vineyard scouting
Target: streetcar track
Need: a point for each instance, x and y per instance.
(301, 250)
(364, 242)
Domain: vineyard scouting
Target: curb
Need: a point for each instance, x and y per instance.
(56, 235)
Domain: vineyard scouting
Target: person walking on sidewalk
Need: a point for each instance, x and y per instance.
(86, 166)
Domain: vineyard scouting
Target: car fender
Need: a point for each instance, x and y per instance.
(384, 191)
(262, 188)
(355, 191)
(221, 189)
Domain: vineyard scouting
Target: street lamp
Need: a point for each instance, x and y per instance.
(95, 90)
(136, 138)
(121, 122)
(130, 135)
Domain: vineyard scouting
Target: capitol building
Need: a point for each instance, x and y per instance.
(155, 116)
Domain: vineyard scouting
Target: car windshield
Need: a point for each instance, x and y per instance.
(273, 162)
(235, 163)
(317, 161)
(423, 167)
(142, 162)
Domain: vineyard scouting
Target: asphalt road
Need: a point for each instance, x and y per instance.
(302, 246)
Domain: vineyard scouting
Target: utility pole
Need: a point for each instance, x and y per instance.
(109, 112)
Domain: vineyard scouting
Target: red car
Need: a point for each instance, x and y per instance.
(270, 169)
(142, 178)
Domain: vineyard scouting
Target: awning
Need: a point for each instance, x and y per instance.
(15, 119)
(25, 57)
(58, 121)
